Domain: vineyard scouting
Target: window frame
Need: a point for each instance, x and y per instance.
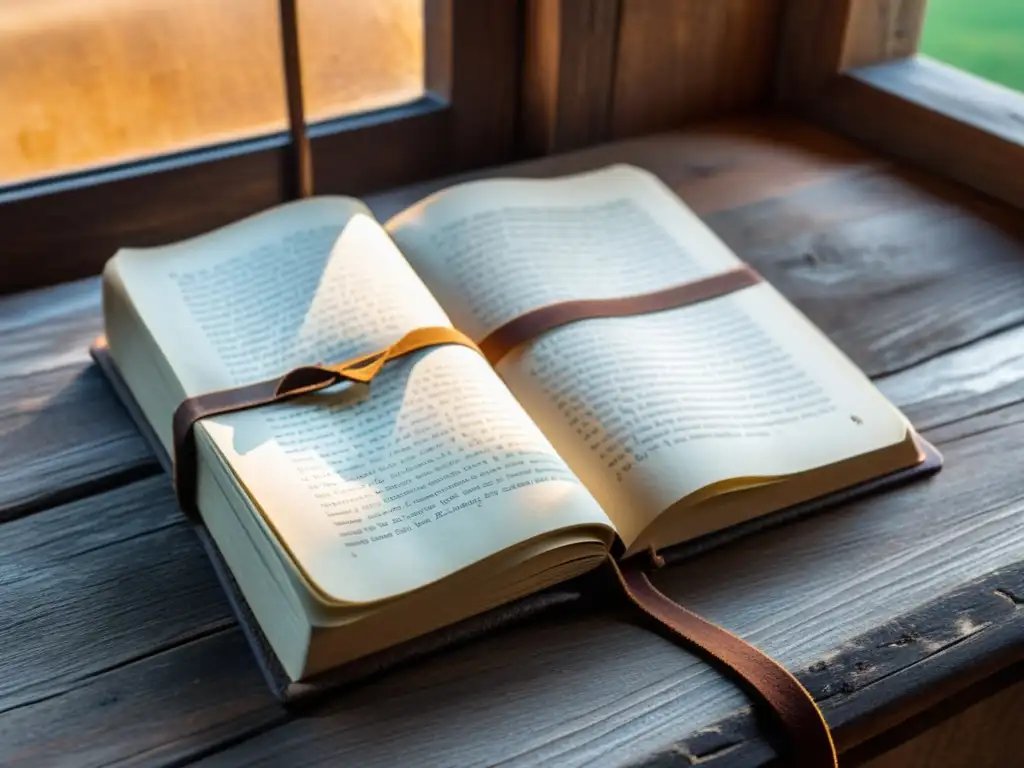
(854, 67)
(66, 226)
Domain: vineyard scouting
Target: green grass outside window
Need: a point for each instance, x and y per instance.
(983, 37)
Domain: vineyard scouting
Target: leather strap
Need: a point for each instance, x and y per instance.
(808, 739)
(530, 325)
(298, 381)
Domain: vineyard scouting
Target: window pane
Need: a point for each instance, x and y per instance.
(89, 82)
(983, 37)
(359, 55)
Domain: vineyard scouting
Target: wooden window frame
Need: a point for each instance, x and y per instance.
(570, 50)
(65, 227)
(853, 66)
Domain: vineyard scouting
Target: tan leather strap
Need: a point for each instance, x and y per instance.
(298, 381)
(809, 741)
(530, 325)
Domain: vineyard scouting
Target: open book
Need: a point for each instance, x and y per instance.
(359, 517)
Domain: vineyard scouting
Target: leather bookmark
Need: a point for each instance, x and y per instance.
(537, 322)
(808, 738)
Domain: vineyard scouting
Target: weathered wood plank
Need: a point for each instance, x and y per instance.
(894, 266)
(712, 166)
(45, 329)
(812, 39)
(975, 738)
(633, 695)
(161, 709)
(62, 434)
(507, 698)
(985, 421)
(936, 117)
(984, 376)
(87, 586)
(882, 30)
(917, 665)
(899, 679)
(568, 71)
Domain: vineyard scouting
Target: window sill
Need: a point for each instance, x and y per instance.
(941, 118)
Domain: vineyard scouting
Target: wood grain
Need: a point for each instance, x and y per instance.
(472, 52)
(688, 60)
(96, 599)
(882, 30)
(894, 267)
(568, 71)
(925, 664)
(62, 435)
(49, 328)
(967, 501)
(986, 375)
(812, 40)
(90, 585)
(937, 117)
(159, 709)
(655, 684)
(974, 738)
(715, 165)
(900, 679)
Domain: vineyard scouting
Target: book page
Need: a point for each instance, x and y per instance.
(373, 491)
(646, 409)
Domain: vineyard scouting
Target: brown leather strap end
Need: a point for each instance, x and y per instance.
(808, 737)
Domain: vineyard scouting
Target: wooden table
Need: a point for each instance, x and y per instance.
(901, 613)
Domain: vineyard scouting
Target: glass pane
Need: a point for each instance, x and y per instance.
(983, 37)
(359, 55)
(90, 82)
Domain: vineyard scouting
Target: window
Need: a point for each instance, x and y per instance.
(983, 37)
(135, 122)
(863, 72)
(88, 82)
(368, 58)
